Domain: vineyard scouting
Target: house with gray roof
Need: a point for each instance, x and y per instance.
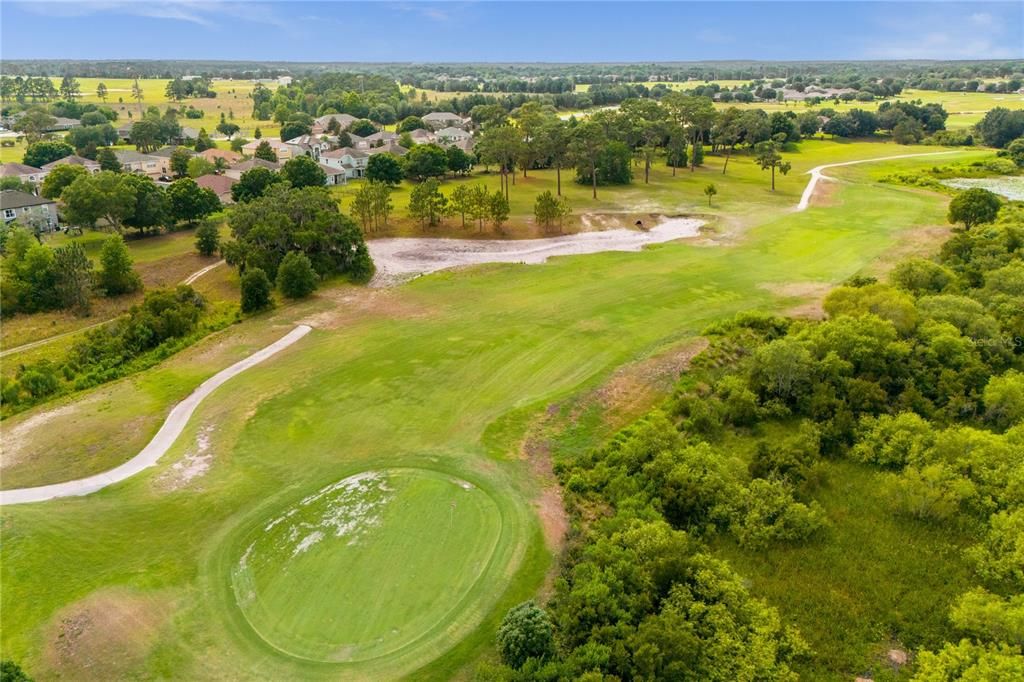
(28, 209)
(351, 161)
(235, 170)
(74, 160)
(322, 123)
(145, 164)
(308, 145)
(23, 172)
(436, 120)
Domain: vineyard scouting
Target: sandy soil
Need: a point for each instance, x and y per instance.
(401, 259)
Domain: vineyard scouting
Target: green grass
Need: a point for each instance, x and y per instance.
(872, 582)
(324, 604)
(411, 377)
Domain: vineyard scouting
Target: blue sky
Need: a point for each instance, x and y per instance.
(509, 31)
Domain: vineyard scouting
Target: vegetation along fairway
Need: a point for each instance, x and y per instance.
(431, 384)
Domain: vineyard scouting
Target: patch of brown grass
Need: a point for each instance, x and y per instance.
(105, 636)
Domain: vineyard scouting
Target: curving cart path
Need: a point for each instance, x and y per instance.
(816, 172)
(161, 442)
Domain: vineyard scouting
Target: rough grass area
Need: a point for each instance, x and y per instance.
(872, 582)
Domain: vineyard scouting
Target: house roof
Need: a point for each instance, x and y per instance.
(441, 116)
(306, 141)
(131, 156)
(11, 169)
(274, 142)
(12, 198)
(226, 154)
(188, 132)
(344, 151)
(388, 147)
(452, 131)
(331, 170)
(344, 120)
(249, 164)
(71, 159)
(165, 152)
(421, 132)
(220, 184)
(382, 135)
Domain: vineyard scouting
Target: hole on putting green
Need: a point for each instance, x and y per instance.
(367, 566)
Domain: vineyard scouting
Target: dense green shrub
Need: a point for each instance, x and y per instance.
(255, 286)
(295, 276)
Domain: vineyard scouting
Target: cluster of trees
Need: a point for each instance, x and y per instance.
(920, 377)
(999, 127)
(305, 220)
(180, 88)
(126, 200)
(38, 278)
(428, 205)
(152, 330)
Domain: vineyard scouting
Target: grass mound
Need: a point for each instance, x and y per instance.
(367, 566)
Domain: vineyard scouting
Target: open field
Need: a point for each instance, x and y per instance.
(438, 377)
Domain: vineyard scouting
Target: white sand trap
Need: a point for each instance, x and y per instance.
(401, 259)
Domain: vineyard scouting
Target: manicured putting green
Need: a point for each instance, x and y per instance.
(368, 565)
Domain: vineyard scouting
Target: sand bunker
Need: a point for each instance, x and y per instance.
(401, 259)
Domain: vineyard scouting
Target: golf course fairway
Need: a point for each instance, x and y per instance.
(427, 385)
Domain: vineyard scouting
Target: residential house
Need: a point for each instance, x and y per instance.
(22, 172)
(357, 141)
(422, 136)
(321, 123)
(124, 133)
(74, 160)
(436, 120)
(188, 133)
(284, 81)
(212, 155)
(164, 154)
(283, 151)
(236, 170)
(380, 138)
(220, 184)
(351, 161)
(308, 145)
(145, 164)
(390, 147)
(450, 135)
(28, 209)
(62, 124)
(335, 176)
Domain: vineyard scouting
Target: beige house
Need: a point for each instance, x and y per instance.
(219, 184)
(22, 172)
(282, 149)
(74, 160)
(134, 162)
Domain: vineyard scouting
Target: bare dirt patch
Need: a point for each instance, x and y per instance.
(351, 304)
(812, 293)
(825, 194)
(14, 444)
(108, 635)
(193, 464)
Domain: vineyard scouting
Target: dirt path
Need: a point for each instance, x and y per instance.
(42, 342)
(401, 259)
(161, 442)
(199, 273)
(816, 172)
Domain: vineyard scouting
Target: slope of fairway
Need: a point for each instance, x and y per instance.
(412, 377)
(367, 566)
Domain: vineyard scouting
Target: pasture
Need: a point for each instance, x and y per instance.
(431, 384)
